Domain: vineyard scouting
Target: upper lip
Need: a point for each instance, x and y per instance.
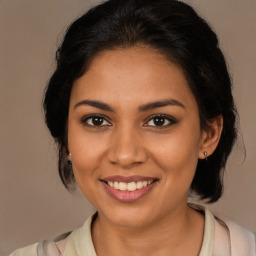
(128, 179)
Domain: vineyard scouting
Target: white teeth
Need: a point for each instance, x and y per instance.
(139, 185)
(131, 186)
(122, 186)
(116, 185)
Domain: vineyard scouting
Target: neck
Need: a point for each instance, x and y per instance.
(167, 236)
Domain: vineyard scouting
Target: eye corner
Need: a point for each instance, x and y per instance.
(160, 121)
(95, 121)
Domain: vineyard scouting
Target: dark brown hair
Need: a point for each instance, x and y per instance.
(175, 30)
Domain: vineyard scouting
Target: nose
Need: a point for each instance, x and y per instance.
(127, 149)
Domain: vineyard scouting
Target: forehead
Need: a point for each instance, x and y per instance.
(132, 75)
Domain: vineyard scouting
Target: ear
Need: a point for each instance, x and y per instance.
(210, 137)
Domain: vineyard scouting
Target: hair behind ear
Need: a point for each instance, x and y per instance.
(211, 137)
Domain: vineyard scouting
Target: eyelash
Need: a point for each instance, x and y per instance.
(85, 120)
(169, 119)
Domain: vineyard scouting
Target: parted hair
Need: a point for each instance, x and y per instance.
(176, 31)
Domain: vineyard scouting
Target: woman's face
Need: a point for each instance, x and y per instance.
(134, 136)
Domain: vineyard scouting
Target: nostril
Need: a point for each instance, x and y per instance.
(126, 149)
(128, 157)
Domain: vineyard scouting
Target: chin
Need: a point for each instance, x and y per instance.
(128, 216)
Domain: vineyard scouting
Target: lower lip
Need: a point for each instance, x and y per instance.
(127, 196)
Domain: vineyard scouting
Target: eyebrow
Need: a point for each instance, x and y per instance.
(159, 104)
(96, 104)
(143, 108)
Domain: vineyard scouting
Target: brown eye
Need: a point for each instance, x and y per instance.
(160, 121)
(95, 120)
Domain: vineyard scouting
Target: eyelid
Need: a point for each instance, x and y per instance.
(171, 119)
(87, 117)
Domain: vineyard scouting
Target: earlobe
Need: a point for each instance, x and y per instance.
(210, 137)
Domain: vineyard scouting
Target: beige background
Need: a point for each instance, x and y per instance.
(33, 203)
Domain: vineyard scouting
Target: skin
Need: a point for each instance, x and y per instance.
(128, 143)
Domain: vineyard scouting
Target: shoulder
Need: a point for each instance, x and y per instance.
(242, 240)
(53, 247)
(30, 250)
(77, 242)
(233, 238)
(224, 237)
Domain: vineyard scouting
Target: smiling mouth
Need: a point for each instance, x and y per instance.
(131, 186)
(128, 189)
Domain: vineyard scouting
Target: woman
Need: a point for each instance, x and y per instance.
(141, 107)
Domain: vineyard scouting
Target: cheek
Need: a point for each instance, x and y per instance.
(86, 160)
(177, 156)
(87, 153)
